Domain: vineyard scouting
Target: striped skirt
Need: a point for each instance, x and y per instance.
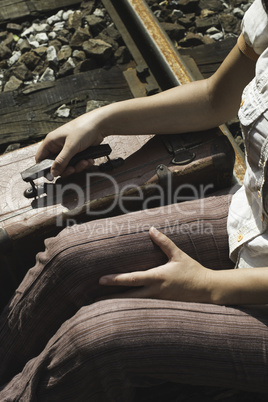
(57, 343)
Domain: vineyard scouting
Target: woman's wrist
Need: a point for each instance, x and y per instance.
(109, 120)
(239, 286)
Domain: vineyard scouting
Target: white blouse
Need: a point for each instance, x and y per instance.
(248, 215)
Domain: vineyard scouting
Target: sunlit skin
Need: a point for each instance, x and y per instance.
(195, 106)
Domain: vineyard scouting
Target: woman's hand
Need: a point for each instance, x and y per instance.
(69, 139)
(181, 278)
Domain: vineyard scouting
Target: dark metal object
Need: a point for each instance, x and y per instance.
(42, 169)
(183, 157)
(31, 192)
(111, 164)
(163, 174)
(179, 146)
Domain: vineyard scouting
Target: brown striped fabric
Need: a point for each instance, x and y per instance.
(62, 346)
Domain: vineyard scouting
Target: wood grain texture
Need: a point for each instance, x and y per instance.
(12, 10)
(30, 114)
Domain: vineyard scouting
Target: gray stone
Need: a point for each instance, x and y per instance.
(41, 51)
(217, 36)
(14, 58)
(52, 56)
(122, 55)
(52, 35)
(245, 7)
(30, 59)
(48, 75)
(9, 40)
(64, 37)
(238, 13)
(42, 27)
(94, 104)
(63, 111)
(16, 28)
(60, 14)
(203, 24)
(24, 46)
(115, 45)
(74, 20)
(3, 35)
(59, 26)
(230, 23)
(99, 13)
(67, 68)
(187, 20)
(53, 19)
(207, 40)
(97, 48)
(87, 7)
(27, 32)
(85, 65)
(112, 33)
(79, 37)
(5, 52)
(177, 13)
(79, 55)
(212, 31)
(206, 13)
(158, 13)
(56, 43)
(213, 5)
(64, 53)
(191, 39)
(66, 15)
(41, 37)
(174, 31)
(34, 43)
(21, 72)
(3, 64)
(96, 24)
(13, 84)
(40, 69)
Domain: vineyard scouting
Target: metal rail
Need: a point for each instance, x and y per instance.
(164, 61)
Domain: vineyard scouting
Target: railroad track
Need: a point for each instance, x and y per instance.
(149, 43)
(158, 63)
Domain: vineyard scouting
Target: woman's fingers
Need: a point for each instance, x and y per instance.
(166, 245)
(128, 279)
(143, 278)
(79, 167)
(62, 159)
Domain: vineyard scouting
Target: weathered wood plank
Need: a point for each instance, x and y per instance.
(29, 116)
(14, 9)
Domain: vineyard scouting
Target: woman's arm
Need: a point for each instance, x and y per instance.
(239, 286)
(184, 279)
(195, 106)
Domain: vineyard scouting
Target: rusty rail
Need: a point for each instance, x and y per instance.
(165, 62)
